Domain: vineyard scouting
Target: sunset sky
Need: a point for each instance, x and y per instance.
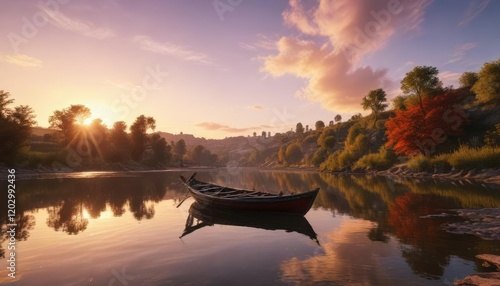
(231, 67)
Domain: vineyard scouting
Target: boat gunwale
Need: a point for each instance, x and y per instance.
(261, 199)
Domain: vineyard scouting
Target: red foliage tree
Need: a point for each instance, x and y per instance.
(419, 129)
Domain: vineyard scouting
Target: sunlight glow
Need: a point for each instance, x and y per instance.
(88, 121)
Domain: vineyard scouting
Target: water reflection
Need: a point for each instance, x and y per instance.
(366, 222)
(202, 216)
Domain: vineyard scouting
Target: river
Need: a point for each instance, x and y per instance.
(109, 228)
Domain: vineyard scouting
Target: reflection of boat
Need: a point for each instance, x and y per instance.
(208, 216)
(246, 200)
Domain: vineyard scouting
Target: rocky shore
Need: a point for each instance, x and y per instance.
(484, 279)
(490, 176)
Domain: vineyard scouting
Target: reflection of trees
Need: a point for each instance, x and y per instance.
(67, 217)
(405, 215)
(67, 200)
(395, 207)
(24, 223)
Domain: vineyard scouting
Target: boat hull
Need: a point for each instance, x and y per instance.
(291, 204)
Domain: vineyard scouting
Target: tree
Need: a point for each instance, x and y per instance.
(410, 132)
(120, 142)
(138, 135)
(356, 117)
(202, 156)
(264, 134)
(299, 129)
(487, 87)
(319, 125)
(15, 127)
(160, 150)
(399, 102)
(338, 118)
(293, 153)
(422, 81)
(375, 100)
(180, 150)
(66, 119)
(118, 136)
(327, 138)
(468, 79)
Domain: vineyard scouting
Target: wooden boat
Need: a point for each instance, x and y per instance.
(248, 200)
(209, 216)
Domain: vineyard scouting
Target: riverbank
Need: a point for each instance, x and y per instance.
(487, 176)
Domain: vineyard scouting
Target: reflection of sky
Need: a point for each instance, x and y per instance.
(153, 254)
(348, 257)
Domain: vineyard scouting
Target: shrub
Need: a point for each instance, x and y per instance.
(311, 138)
(318, 157)
(293, 153)
(420, 163)
(377, 161)
(492, 137)
(467, 157)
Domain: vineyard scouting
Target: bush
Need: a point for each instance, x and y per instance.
(318, 157)
(420, 163)
(467, 157)
(311, 138)
(492, 137)
(293, 153)
(377, 161)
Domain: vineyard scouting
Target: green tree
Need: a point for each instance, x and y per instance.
(420, 82)
(66, 119)
(15, 127)
(356, 117)
(138, 135)
(293, 153)
(202, 156)
(375, 100)
(468, 79)
(327, 139)
(161, 151)
(299, 129)
(492, 137)
(120, 142)
(118, 136)
(319, 125)
(180, 150)
(399, 102)
(487, 87)
(338, 118)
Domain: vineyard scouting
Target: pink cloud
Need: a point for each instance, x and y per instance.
(345, 31)
(332, 79)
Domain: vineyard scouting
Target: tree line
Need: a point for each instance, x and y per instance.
(426, 121)
(90, 145)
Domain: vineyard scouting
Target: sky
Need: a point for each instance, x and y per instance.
(222, 68)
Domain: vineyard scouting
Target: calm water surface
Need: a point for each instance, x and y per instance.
(124, 228)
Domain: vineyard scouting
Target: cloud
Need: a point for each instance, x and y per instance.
(213, 126)
(361, 26)
(475, 8)
(256, 107)
(332, 79)
(344, 31)
(449, 78)
(262, 43)
(166, 48)
(460, 52)
(22, 60)
(85, 28)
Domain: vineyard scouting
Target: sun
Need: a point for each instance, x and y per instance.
(88, 121)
